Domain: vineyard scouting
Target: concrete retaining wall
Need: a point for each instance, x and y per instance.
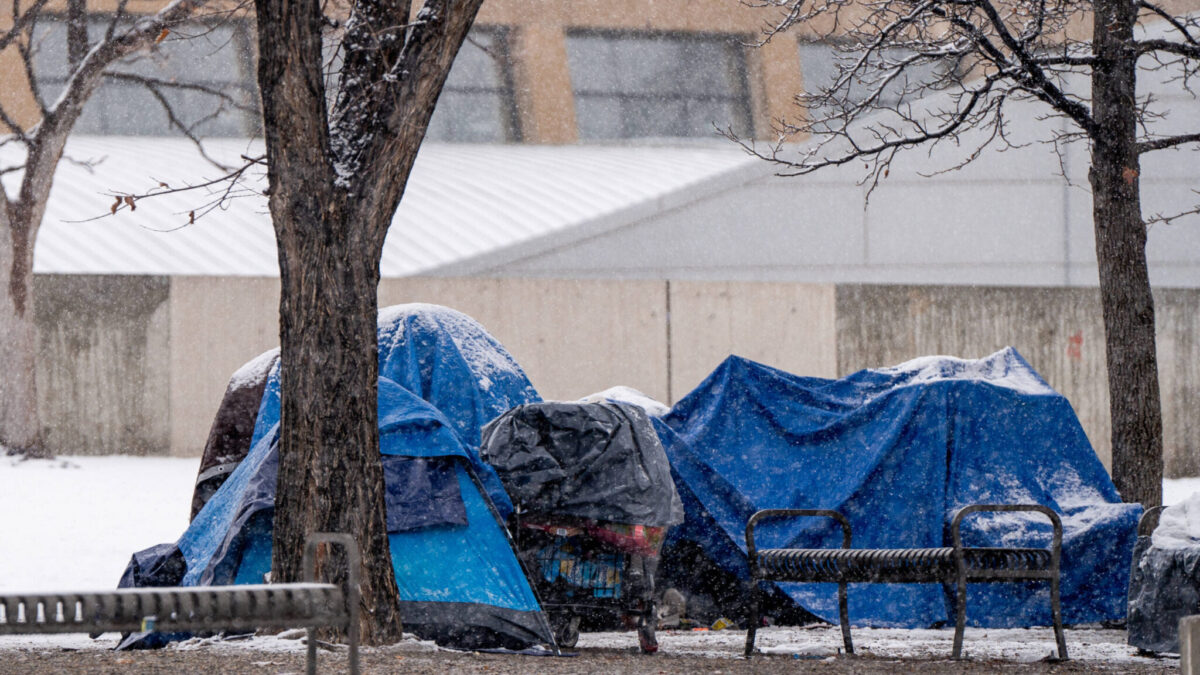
(103, 350)
(138, 364)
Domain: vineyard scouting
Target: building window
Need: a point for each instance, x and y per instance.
(651, 85)
(204, 73)
(477, 103)
(821, 63)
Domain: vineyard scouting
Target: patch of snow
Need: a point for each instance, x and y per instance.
(255, 370)
(1179, 525)
(1175, 490)
(1072, 492)
(997, 369)
(629, 395)
(288, 641)
(72, 523)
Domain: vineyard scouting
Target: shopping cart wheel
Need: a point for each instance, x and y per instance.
(646, 639)
(567, 631)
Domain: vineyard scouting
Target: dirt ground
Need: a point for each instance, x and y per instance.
(606, 661)
(610, 661)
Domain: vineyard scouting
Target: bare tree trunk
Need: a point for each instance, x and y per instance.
(1137, 464)
(20, 426)
(330, 473)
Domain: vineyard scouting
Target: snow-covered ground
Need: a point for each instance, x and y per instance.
(72, 523)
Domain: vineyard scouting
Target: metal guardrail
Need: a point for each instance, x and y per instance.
(200, 608)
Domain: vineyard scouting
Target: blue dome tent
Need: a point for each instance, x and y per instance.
(441, 378)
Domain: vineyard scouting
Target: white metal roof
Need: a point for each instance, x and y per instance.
(462, 201)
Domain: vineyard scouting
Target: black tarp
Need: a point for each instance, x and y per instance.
(597, 461)
(1164, 587)
(233, 427)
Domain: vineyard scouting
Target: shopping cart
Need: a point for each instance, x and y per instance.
(595, 572)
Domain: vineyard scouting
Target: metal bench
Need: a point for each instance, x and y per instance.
(953, 566)
(200, 608)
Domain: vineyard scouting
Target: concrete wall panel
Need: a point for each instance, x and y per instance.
(1059, 331)
(1177, 319)
(788, 326)
(217, 325)
(573, 338)
(102, 363)
(138, 365)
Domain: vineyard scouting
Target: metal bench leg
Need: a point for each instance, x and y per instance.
(1056, 616)
(310, 664)
(960, 613)
(754, 615)
(844, 617)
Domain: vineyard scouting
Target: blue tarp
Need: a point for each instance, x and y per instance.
(459, 580)
(898, 451)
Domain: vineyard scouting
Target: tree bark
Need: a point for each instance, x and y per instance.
(330, 473)
(20, 426)
(1137, 464)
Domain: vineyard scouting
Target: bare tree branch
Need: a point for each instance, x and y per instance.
(1160, 218)
(1167, 142)
(21, 21)
(1169, 18)
(1191, 51)
(25, 50)
(223, 189)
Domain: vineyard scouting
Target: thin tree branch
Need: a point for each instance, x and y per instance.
(1169, 18)
(1036, 76)
(23, 20)
(1160, 218)
(229, 183)
(1167, 142)
(25, 51)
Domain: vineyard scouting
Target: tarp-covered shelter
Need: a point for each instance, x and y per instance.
(589, 461)
(898, 451)
(437, 353)
(441, 376)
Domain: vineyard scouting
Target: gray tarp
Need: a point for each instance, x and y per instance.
(598, 461)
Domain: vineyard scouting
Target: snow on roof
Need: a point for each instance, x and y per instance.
(462, 201)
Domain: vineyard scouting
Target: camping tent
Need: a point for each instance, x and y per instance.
(898, 451)
(460, 582)
(439, 354)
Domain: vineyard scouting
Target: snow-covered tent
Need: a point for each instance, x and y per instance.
(898, 451)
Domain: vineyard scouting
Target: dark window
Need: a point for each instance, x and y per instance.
(650, 85)
(205, 73)
(477, 103)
